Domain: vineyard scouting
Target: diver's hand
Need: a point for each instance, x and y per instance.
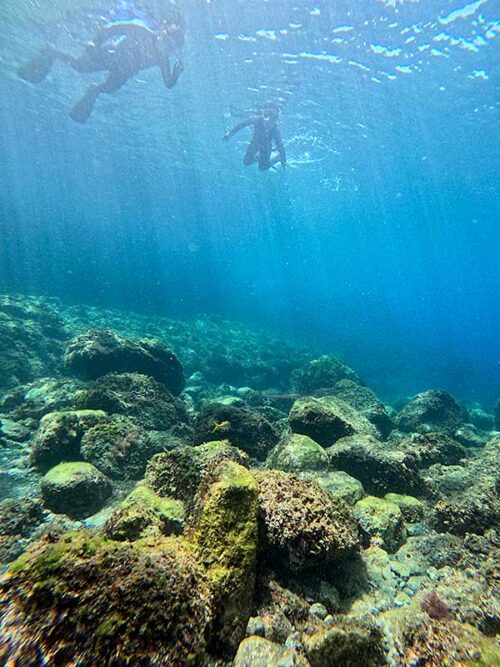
(227, 136)
(178, 68)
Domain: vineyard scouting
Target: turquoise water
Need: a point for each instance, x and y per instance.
(379, 241)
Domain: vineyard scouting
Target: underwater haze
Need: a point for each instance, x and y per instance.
(379, 241)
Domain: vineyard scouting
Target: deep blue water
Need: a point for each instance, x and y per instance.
(380, 241)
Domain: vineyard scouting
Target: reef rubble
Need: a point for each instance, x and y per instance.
(196, 493)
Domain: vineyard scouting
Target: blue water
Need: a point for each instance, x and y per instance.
(381, 239)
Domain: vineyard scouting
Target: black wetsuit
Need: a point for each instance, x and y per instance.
(266, 137)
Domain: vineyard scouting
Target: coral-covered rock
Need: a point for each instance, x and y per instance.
(224, 530)
(471, 510)
(430, 448)
(97, 601)
(434, 410)
(244, 428)
(59, 436)
(297, 453)
(144, 513)
(32, 336)
(346, 643)
(380, 470)
(327, 419)
(301, 526)
(75, 489)
(118, 447)
(178, 473)
(411, 508)
(381, 523)
(365, 401)
(341, 486)
(321, 374)
(101, 351)
(38, 398)
(137, 396)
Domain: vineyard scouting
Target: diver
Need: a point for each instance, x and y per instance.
(266, 138)
(122, 48)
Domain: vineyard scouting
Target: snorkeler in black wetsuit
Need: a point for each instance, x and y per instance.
(266, 137)
(122, 48)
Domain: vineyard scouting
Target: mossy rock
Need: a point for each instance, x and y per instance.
(411, 508)
(297, 453)
(434, 410)
(338, 484)
(144, 513)
(135, 395)
(100, 351)
(381, 523)
(93, 601)
(350, 644)
(178, 473)
(76, 489)
(301, 526)
(321, 374)
(119, 447)
(59, 436)
(224, 531)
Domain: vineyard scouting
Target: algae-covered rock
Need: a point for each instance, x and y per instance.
(144, 513)
(59, 436)
(497, 415)
(301, 526)
(38, 398)
(75, 489)
(178, 473)
(365, 401)
(101, 351)
(430, 448)
(340, 486)
(471, 510)
(260, 652)
(434, 410)
(321, 374)
(348, 643)
(411, 508)
(297, 453)
(138, 396)
(224, 531)
(119, 447)
(97, 601)
(327, 419)
(381, 523)
(244, 428)
(381, 470)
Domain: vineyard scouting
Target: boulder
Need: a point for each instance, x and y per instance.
(244, 428)
(98, 600)
(144, 513)
(178, 473)
(321, 374)
(297, 453)
(379, 469)
(59, 436)
(301, 527)
(434, 410)
(137, 396)
(381, 523)
(75, 489)
(101, 351)
(412, 509)
(260, 652)
(497, 415)
(340, 486)
(430, 448)
(474, 509)
(118, 447)
(223, 530)
(38, 398)
(349, 643)
(365, 401)
(327, 419)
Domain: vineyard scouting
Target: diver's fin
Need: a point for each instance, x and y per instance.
(82, 109)
(38, 68)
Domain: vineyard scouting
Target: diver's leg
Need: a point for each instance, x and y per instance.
(82, 109)
(251, 154)
(265, 160)
(88, 62)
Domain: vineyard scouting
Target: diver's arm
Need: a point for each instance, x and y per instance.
(237, 128)
(130, 29)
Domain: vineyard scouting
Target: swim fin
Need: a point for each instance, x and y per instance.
(38, 68)
(82, 109)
